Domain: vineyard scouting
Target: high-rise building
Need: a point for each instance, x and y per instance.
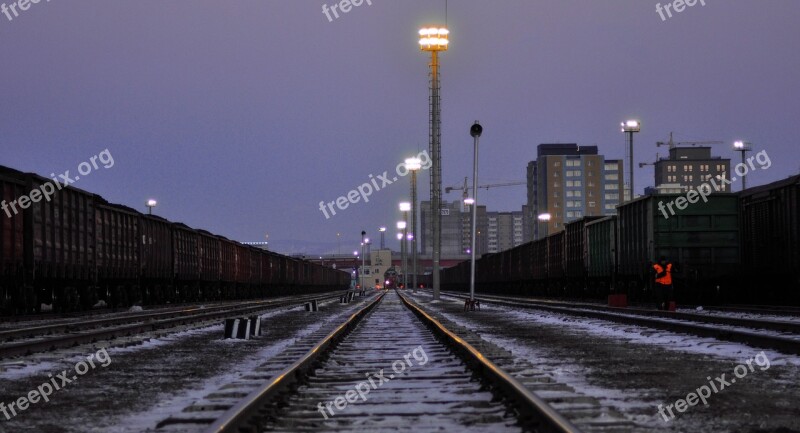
(690, 167)
(569, 182)
(495, 231)
(504, 230)
(452, 231)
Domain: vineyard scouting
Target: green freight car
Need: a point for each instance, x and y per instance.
(701, 240)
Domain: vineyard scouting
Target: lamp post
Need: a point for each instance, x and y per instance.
(743, 147)
(475, 131)
(435, 40)
(382, 230)
(356, 274)
(150, 205)
(402, 237)
(363, 259)
(545, 219)
(630, 127)
(414, 165)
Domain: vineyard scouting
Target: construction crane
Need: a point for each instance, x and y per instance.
(672, 144)
(642, 164)
(466, 188)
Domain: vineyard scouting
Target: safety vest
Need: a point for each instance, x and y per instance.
(666, 279)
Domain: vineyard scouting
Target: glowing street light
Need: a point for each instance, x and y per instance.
(545, 220)
(382, 230)
(435, 40)
(631, 127)
(150, 205)
(743, 147)
(413, 165)
(403, 238)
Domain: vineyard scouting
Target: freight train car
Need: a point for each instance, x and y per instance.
(771, 242)
(60, 244)
(69, 248)
(156, 260)
(601, 260)
(595, 257)
(117, 255)
(701, 240)
(15, 293)
(576, 252)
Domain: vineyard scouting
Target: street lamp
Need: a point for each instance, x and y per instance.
(356, 274)
(402, 237)
(630, 127)
(475, 131)
(434, 40)
(364, 241)
(150, 205)
(414, 165)
(383, 240)
(743, 147)
(545, 219)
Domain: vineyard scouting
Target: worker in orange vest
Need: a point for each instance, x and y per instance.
(663, 288)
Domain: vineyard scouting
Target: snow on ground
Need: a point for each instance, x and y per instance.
(54, 361)
(742, 315)
(169, 404)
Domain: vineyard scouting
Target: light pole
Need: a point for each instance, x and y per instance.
(339, 243)
(363, 259)
(475, 131)
(150, 205)
(743, 147)
(356, 274)
(383, 240)
(414, 165)
(402, 237)
(630, 127)
(434, 40)
(545, 219)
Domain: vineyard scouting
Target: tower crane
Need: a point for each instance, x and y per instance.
(672, 144)
(465, 188)
(642, 164)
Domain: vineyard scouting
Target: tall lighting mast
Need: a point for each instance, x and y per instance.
(435, 40)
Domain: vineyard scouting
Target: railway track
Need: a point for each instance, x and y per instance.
(740, 330)
(389, 367)
(51, 337)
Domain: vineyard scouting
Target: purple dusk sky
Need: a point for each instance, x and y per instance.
(241, 116)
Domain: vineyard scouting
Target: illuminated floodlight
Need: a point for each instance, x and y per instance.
(413, 164)
(631, 126)
(405, 206)
(469, 201)
(544, 217)
(401, 225)
(434, 39)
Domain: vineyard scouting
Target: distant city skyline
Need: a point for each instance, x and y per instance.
(241, 117)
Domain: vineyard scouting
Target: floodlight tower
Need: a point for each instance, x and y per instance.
(150, 205)
(435, 40)
(413, 165)
(630, 127)
(743, 147)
